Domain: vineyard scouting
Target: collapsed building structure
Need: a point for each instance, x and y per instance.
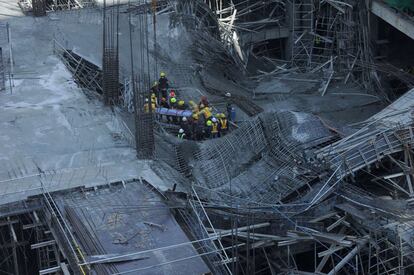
(314, 178)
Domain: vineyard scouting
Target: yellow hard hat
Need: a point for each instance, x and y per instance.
(195, 116)
(162, 74)
(152, 95)
(209, 123)
(181, 102)
(173, 100)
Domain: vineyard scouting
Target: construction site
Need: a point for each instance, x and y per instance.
(175, 137)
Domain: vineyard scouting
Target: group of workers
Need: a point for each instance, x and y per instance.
(196, 121)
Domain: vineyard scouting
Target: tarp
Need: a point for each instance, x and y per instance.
(171, 112)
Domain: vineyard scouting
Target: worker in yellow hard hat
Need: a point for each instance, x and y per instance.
(208, 128)
(163, 84)
(182, 105)
(173, 103)
(223, 124)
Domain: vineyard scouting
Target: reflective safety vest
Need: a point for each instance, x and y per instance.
(207, 113)
(223, 123)
(181, 136)
(214, 128)
(146, 107)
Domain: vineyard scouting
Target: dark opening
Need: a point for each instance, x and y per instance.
(273, 48)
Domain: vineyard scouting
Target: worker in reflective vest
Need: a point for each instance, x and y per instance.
(208, 128)
(181, 134)
(214, 128)
(223, 125)
(147, 106)
(207, 113)
(163, 84)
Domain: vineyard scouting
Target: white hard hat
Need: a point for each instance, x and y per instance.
(184, 119)
(214, 119)
(146, 100)
(228, 94)
(181, 131)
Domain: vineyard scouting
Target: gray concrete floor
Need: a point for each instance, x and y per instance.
(50, 132)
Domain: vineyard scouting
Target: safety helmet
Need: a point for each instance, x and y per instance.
(172, 93)
(222, 115)
(209, 123)
(214, 119)
(173, 100)
(201, 106)
(155, 84)
(146, 100)
(195, 116)
(162, 74)
(152, 95)
(181, 131)
(184, 119)
(181, 102)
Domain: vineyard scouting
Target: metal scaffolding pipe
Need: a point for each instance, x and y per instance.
(348, 257)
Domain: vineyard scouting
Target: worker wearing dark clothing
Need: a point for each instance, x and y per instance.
(164, 104)
(208, 129)
(163, 85)
(228, 110)
(203, 102)
(186, 126)
(197, 128)
(156, 91)
(182, 105)
(173, 106)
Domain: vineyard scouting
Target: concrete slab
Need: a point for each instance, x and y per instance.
(52, 133)
(398, 20)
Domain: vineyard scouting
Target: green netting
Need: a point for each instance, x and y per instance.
(401, 4)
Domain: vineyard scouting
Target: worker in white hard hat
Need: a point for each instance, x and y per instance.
(215, 128)
(181, 134)
(185, 125)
